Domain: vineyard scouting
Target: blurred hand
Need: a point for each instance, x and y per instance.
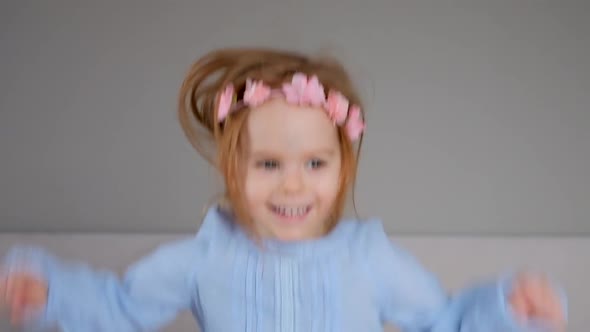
(21, 292)
(533, 297)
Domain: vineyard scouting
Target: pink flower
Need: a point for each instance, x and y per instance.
(303, 92)
(225, 101)
(337, 106)
(256, 93)
(314, 93)
(294, 91)
(355, 125)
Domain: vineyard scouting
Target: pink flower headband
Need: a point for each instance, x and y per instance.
(302, 92)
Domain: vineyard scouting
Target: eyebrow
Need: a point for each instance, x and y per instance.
(326, 151)
(270, 154)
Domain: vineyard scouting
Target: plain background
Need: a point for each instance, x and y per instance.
(477, 150)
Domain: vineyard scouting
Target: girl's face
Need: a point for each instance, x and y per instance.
(292, 170)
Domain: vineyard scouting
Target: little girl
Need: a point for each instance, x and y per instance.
(275, 254)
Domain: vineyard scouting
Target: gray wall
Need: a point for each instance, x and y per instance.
(478, 111)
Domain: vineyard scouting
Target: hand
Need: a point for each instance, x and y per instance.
(21, 292)
(533, 297)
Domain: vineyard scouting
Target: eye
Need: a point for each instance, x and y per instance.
(316, 163)
(267, 164)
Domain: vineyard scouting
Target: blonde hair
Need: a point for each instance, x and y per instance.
(222, 144)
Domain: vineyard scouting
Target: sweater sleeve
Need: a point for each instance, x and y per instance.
(412, 299)
(80, 298)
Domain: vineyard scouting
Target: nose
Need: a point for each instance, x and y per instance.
(292, 181)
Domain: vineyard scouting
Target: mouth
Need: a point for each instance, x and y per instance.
(291, 212)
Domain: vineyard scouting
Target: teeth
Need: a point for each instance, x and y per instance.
(291, 211)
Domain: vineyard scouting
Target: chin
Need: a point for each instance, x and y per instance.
(296, 229)
(291, 236)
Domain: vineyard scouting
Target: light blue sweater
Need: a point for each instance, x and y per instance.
(353, 280)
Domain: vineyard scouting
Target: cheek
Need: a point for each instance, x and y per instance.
(256, 186)
(329, 184)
